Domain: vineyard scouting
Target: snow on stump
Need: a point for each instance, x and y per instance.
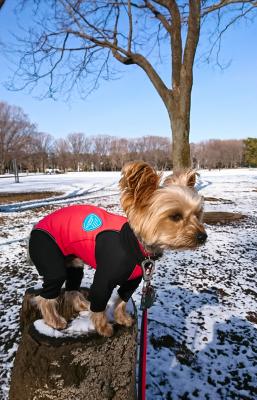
(75, 363)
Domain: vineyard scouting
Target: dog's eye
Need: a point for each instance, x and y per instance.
(176, 217)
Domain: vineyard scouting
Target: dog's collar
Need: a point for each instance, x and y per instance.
(135, 245)
(153, 252)
(148, 254)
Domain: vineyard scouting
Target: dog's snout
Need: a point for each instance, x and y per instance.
(201, 237)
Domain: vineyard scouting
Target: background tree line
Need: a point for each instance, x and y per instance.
(39, 151)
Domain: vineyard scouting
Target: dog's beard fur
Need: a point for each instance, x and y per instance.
(167, 217)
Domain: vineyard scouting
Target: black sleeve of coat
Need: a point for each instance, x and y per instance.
(100, 291)
(127, 288)
(114, 266)
(74, 278)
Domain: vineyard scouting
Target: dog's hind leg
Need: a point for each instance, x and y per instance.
(48, 308)
(73, 303)
(77, 300)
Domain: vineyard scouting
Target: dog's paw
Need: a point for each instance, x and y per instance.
(125, 320)
(58, 323)
(55, 321)
(102, 326)
(120, 314)
(106, 330)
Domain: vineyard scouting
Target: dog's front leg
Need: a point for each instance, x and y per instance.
(120, 314)
(101, 324)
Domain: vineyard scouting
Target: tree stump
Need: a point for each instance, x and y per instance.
(82, 367)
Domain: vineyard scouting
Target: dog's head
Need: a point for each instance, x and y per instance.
(163, 217)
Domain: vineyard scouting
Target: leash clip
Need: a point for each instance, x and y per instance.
(148, 267)
(148, 293)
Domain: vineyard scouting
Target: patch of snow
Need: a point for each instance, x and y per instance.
(46, 330)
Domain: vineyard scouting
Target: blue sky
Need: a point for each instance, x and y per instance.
(224, 102)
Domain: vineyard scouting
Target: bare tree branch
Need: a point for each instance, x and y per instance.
(159, 16)
(130, 35)
(224, 3)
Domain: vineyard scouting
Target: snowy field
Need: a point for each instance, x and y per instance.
(202, 328)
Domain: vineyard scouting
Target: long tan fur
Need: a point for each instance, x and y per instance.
(48, 308)
(120, 314)
(167, 217)
(73, 303)
(182, 178)
(101, 324)
(138, 182)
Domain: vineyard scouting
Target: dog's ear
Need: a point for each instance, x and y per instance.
(138, 182)
(182, 178)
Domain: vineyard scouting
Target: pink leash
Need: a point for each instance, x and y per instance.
(142, 358)
(147, 299)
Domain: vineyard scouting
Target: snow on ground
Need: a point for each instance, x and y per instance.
(74, 185)
(202, 339)
(61, 182)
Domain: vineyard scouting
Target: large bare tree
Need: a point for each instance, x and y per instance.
(16, 132)
(75, 42)
(42, 143)
(79, 144)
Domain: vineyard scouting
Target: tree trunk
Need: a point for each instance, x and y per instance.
(73, 368)
(180, 143)
(179, 113)
(2, 164)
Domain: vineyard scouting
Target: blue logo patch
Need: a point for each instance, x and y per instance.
(92, 222)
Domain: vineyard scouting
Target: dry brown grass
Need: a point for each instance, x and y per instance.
(6, 198)
(252, 317)
(218, 200)
(221, 217)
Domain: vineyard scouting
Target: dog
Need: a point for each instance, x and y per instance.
(158, 217)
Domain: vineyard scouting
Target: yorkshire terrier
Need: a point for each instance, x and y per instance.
(158, 217)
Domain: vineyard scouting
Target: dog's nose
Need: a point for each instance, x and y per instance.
(201, 237)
